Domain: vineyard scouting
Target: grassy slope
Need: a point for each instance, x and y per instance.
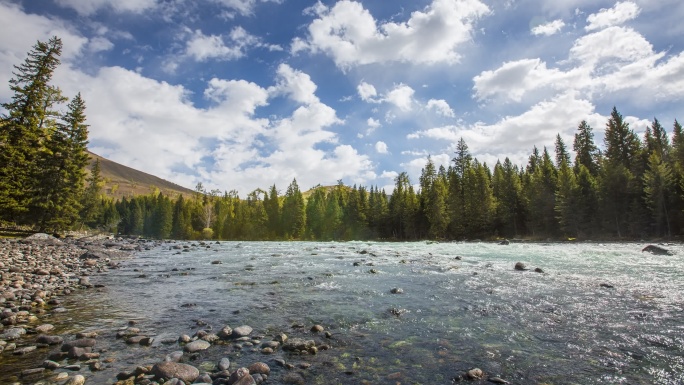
(122, 181)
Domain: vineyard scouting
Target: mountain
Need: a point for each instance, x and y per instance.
(122, 181)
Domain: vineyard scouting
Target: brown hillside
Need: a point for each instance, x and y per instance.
(122, 181)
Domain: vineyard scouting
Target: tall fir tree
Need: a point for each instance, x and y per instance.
(587, 153)
(23, 127)
(621, 188)
(294, 212)
(273, 211)
(658, 183)
(90, 210)
(57, 200)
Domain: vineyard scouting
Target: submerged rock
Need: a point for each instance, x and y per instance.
(657, 250)
(520, 266)
(475, 374)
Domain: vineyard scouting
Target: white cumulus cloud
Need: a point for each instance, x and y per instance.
(620, 13)
(548, 29)
(90, 7)
(401, 96)
(381, 147)
(202, 47)
(441, 107)
(349, 34)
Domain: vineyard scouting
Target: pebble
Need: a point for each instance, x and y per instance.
(76, 380)
(475, 374)
(223, 364)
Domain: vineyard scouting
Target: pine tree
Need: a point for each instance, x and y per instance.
(162, 217)
(57, 199)
(355, 212)
(24, 127)
(333, 216)
(562, 155)
(456, 199)
(622, 144)
(427, 179)
(586, 151)
(273, 211)
(510, 205)
(541, 192)
(436, 209)
(658, 181)
(403, 207)
(294, 212)
(621, 188)
(315, 213)
(90, 210)
(567, 201)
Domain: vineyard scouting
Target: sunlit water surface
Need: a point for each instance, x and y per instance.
(557, 327)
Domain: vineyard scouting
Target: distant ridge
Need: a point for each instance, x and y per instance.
(122, 181)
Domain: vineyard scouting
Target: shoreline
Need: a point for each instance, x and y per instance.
(36, 273)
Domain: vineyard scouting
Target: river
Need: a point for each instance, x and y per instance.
(599, 313)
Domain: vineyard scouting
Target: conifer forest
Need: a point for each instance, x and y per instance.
(628, 187)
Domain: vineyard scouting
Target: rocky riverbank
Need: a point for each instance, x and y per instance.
(35, 275)
(38, 273)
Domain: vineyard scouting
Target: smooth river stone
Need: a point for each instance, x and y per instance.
(174, 356)
(49, 340)
(196, 346)
(80, 343)
(186, 373)
(242, 331)
(224, 364)
(45, 328)
(76, 380)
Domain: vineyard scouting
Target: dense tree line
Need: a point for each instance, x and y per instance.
(42, 147)
(631, 189)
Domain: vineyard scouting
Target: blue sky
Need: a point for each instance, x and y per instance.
(240, 94)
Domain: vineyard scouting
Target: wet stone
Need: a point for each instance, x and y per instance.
(242, 331)
(259, 368)
(224, 364)
(174, 356)
(52, 365)
(196, 346)
(24, 350)
(183, 372)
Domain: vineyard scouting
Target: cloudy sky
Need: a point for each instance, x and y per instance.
(240, 94)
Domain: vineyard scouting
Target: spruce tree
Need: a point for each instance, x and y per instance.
(91, 196)
(658, 182)
(315, 213)
(57, 200)
(23, 127)
(585, 149)
(271, 204)
(621, 187)
(294, 212)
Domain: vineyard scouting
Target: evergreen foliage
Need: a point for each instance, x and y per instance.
(633, 188)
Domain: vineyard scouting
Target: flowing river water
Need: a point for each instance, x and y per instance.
(598, 314)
